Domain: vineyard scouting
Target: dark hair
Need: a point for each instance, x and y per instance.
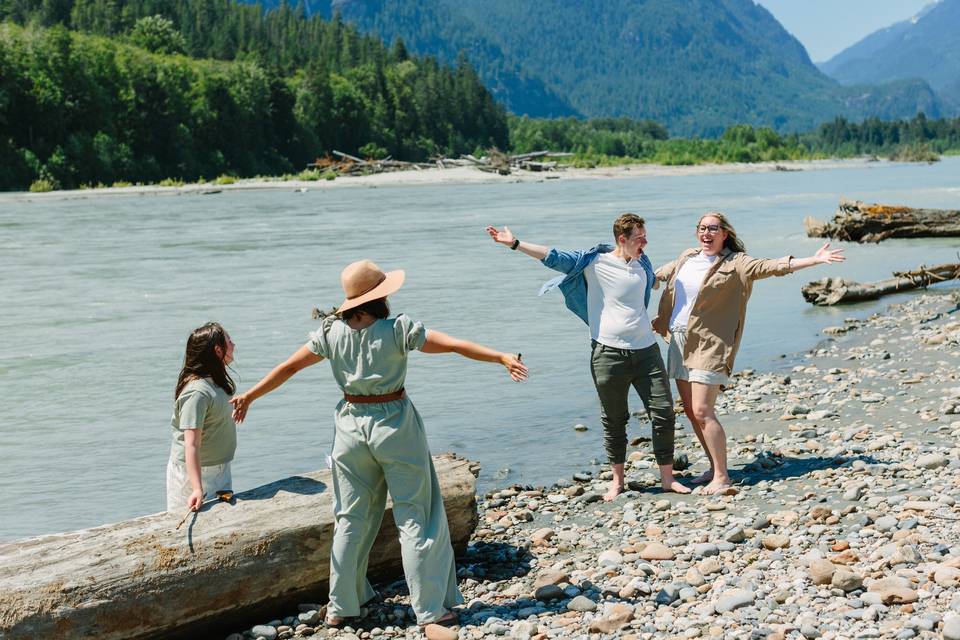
(201, 360)
(733, 243)
(377, 308)
(625, 224)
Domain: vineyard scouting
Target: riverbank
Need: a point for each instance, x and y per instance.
(845, 523)
(451, 176)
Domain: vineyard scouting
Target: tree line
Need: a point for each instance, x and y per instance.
(104, 91)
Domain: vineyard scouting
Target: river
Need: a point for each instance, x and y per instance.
(100, 293)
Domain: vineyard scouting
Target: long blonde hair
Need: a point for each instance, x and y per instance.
(733, 243)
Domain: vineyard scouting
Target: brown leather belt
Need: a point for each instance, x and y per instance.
(387, 397)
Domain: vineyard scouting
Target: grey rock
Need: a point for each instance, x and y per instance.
(931, 461)
(264, 631)
(582, 604)
(549, 592)
(735, 535)
(734, 599)
(668, 594)
(705, 549)
(885, 523)
(809, 631)
(951, 628)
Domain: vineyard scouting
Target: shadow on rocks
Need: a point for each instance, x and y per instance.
(769, 466)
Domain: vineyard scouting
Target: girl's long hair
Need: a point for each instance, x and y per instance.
(732, 242)
(201, 360)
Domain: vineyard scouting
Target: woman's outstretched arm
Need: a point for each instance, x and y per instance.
(439, 342)
(824, 255)
(301, 359)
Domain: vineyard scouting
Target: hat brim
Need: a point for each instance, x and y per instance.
(391, 283)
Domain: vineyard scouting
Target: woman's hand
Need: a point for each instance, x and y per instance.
(240, 404)
(502, 237)
(195, 501)
(516, 369)
(826, 255)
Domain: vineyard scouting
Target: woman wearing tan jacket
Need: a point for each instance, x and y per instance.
(703, 310)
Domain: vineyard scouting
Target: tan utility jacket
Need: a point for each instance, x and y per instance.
(716, 320)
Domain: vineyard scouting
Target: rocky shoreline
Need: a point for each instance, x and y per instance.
(845, 522)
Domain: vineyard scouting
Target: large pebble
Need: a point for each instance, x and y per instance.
(438, 632)
(846, 580)
(821, 571)
(582, 604)
(932, 461)
(951, 628)
(264, 631)
(612, 620)
(656, 551)
(775, 541)
(734, 599)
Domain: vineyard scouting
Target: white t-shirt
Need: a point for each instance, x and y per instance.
(687, 287)
(615, 291)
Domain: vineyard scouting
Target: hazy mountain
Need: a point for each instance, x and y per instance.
(927, 46)
(695, 65)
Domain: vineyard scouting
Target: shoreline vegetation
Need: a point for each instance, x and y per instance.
(170, 94)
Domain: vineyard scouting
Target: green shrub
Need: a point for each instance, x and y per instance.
(171, 182)
(121, 183)
(41, 186)
(225, 179)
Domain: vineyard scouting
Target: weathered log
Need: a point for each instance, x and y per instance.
(831, 291)
(341, 154)
(861, 222)
(231, 565)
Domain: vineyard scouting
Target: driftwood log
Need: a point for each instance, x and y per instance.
(862, 222)
(831, 291)
(232, 564)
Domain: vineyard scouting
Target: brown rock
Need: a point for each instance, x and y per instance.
(820, 512)
(550, 577)
(894, 590)
(821, 571)
(840, 545)
(541, 537)
(784, 518)
(775, 541)
(947, 577)
(848, 557)
(618, 615)
(437, 632)
(656, 551)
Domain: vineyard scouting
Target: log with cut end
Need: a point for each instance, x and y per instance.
(831, 291)
(232, 564)
(861, 222)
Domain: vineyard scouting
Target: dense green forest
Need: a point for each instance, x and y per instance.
(694, 65)
(611, 140)
(111, 91)
(188, 88)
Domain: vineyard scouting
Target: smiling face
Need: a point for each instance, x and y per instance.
(711, 235)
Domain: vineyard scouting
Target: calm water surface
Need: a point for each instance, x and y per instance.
(99, 295)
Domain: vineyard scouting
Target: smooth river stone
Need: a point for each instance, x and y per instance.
(734, 599)
(656, 551)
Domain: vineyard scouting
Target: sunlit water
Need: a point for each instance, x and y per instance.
(99, 295)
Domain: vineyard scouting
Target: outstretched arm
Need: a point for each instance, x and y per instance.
(506, 237)
(301, 359)
(824, 255)
(438, 342)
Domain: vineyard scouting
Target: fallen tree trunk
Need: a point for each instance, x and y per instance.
(831, 291)
(862, 222)
(235, 563)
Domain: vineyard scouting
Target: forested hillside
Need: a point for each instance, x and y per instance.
(186, 88)
(695, 65)
(927, 47)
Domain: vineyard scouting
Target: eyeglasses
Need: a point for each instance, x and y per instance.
(712, 228)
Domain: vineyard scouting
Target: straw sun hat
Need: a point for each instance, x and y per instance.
(364, 281)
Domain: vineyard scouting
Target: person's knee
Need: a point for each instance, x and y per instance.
(704, 412)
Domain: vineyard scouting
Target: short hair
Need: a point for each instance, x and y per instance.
(625, 224)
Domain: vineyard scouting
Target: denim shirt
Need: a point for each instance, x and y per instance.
(573, 284)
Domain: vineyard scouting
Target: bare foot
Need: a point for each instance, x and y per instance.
(614, 490)
(717, 486)
(703, 478)
(675, 487)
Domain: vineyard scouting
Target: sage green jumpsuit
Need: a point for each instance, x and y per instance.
(381, 447)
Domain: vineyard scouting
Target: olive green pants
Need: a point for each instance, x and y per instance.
(614, 372)
(380, 448)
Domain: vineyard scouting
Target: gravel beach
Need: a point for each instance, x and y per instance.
(844, 523)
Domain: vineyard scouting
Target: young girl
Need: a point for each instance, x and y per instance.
(204, 432)
(380, 445)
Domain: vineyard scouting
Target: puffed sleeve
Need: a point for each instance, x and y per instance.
(409, 333)
(194, 404)
(319, 343)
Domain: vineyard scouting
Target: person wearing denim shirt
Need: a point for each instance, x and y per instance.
(608, 288)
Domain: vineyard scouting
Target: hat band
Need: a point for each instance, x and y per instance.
(383, 277)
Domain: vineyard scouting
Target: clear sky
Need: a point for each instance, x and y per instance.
(827, 27)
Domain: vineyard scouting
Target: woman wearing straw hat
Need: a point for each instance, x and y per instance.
(380, 445)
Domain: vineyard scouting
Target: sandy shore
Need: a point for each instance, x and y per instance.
(451, 176)
(845, 523)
